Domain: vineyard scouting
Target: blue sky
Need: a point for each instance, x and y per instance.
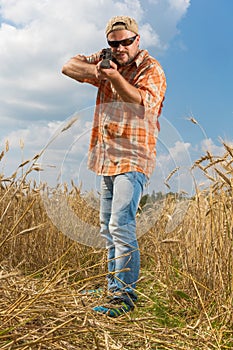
(200, 75)
(192, 39)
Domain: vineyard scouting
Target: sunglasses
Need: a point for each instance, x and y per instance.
(124, 42)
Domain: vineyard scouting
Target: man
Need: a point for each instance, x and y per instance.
(122, 147)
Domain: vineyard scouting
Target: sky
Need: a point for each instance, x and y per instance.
(192, 39)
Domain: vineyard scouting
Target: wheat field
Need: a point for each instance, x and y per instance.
(185, 288)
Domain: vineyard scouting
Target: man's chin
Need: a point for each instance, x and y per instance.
(123, 62)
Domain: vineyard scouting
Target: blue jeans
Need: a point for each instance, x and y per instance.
(120, 197)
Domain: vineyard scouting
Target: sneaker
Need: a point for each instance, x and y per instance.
(115, 308)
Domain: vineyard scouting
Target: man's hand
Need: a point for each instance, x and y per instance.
(106, 73)
(127, 92)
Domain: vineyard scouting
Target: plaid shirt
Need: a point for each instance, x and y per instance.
(122, 138)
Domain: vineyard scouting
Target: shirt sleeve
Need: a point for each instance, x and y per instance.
(151, 83)
(93, 59)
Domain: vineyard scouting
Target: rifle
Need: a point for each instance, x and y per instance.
(106, 56)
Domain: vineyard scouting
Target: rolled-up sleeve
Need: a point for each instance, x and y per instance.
(152, 86)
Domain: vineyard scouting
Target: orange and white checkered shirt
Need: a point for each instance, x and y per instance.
(122, 138)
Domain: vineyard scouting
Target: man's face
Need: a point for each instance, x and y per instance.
(124, 54)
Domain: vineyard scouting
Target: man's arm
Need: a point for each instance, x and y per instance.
(127, 91)
(79, 69)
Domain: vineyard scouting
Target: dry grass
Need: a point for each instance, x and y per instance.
(185, 289)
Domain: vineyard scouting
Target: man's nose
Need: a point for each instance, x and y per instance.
(120, 47)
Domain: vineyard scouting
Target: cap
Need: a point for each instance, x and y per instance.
(121, 22)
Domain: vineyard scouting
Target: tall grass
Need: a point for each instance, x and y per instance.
(185, 288)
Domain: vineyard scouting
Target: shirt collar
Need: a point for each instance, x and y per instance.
(140, 57)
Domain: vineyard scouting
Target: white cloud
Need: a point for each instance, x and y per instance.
(180, 6)
(21, 12)
(150, 37)
(209, 145)
(164, 18)
(63, 147)
(34, 135)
